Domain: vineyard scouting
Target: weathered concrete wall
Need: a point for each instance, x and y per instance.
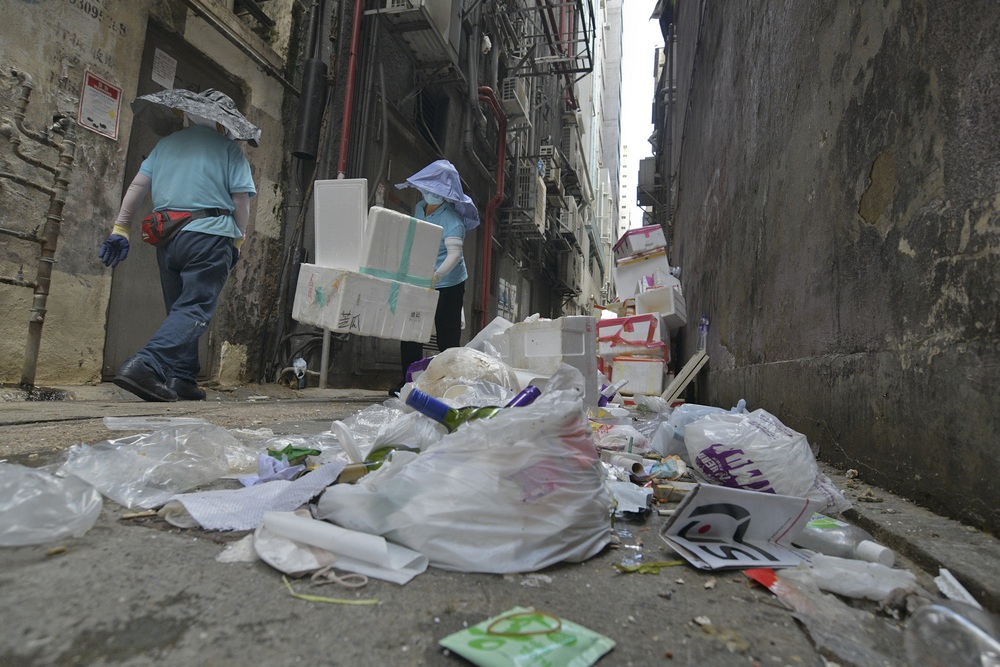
(55, 41)
(839, 222)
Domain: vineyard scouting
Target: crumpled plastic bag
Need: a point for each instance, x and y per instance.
(515, 493)
(145, 470)
(756, 451)
(667, 437)
(464, 366)
(37, 507)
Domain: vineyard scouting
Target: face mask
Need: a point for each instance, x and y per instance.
(432, 198)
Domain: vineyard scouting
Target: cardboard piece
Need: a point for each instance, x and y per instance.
(715, 528)
(683, 379)
(399, 247)
(348, 302)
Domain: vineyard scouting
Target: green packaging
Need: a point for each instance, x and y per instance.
(524, 637)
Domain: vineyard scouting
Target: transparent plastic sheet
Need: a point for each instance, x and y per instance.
(241, 453)
(848, 635)
(479, 393)
(145, 470)
(756, 451)
(854, 578)
(37, 507)
(514, 493)
(414, 430)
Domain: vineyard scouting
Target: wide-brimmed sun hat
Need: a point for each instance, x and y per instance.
(157, 109)
(442, 179)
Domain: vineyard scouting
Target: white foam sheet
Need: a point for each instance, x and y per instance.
(244, 509)
(354, 551)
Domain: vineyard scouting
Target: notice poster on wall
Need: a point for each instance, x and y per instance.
(100, 105)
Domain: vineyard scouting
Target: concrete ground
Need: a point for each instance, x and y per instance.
(138, 591)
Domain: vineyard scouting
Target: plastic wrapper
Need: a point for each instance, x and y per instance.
(668, 437)
(620, 437)
(755, 451)
(145, 470)
(464, 366)
(37, 507)
(514, 493)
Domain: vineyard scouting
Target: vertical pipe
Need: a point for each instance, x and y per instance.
(489, 96)
(352, 67)
(50, 238)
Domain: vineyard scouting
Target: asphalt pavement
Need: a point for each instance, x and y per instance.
(138, 591)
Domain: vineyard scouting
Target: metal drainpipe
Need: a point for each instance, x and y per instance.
(49, 237)
(345, 132)
(487, 95)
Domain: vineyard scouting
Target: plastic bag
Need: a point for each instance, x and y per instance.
(755, 451)
(514, 493)
(668, 438)
(463, 365)
(37, 507)
(145, 470)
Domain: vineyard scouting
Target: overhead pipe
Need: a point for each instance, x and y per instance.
(487, 94)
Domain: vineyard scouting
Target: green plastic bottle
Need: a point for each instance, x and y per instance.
(452, 418)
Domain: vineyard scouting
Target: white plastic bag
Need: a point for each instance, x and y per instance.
(755, 451)
(514, 493)
(463, 366)
(37, 507)
(145, 470)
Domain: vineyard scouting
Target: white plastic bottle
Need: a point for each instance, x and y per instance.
(832, 537)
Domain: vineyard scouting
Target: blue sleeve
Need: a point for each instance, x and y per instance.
(454, 227)
(240, 177)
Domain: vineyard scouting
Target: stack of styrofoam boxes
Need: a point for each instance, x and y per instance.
(540, 346)
(372, 275)
(643, 278)
(632, 348)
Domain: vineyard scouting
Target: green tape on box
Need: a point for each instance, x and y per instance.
(522, 637)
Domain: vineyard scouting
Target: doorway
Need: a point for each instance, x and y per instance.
(136, 309)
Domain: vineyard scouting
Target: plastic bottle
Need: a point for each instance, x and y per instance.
(832, 537)
(527, 396)
(702, 333)
(441, 412)
(952, 633)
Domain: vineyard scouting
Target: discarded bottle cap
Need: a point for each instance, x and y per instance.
(875, 553)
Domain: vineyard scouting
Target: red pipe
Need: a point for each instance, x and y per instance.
(487, 95)
(352, 67)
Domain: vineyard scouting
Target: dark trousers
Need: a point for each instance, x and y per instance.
(193, 271)
(447, 323)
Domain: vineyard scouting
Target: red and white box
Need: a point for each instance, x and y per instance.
(636, 334)
(640, 240)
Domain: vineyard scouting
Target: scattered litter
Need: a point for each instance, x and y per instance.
(953, 590)
(243, 509)
(703, 620)
(321, 598)
(38, 507)
(55, 551)
(524, 636)
(851, 474)
(868, 496)
(648, 568)
(854, 578)
(535, 580)
(710, 584)
(240, 551)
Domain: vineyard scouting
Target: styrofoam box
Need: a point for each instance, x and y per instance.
(638, 240)
(637, 334)
(627, 274)
(644, 375)
(400, 247)
(340, 211)
(667, 301)
(543, 345)
(349, 302)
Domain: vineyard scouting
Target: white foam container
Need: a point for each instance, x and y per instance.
(400, 247)
(340, 214)
(639, 240)
(644, 375)
(666, 301)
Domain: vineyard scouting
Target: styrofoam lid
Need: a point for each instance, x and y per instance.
(875, 553)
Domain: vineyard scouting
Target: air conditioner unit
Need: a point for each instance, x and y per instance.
(429, 28)
(514, 97)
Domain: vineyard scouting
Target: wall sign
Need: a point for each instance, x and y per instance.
(100, 105)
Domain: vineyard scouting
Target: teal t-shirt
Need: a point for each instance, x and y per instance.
(447, 218)
(198, 168)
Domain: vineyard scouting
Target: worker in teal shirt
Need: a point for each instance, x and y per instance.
(446, 205)
(203, 171)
